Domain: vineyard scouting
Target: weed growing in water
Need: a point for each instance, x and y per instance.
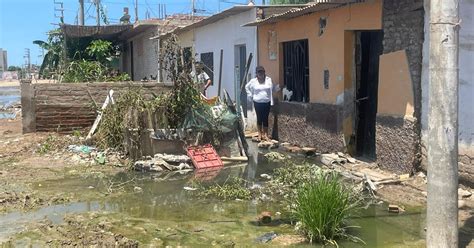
(233, 188)
(323, 207)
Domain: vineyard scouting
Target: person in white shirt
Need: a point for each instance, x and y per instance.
(200, 77)
(260, 90)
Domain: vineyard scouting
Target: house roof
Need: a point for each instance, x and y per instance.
(98, 32)
(224, 14)
(318, 5)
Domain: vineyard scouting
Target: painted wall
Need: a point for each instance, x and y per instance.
(395, 92)
(327, 52)
(145, 55)
(466, 80)
(226, 34)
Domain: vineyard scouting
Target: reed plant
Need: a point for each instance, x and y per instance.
(324, 207)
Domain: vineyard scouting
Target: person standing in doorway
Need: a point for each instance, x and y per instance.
(200, 77)
(260, 90)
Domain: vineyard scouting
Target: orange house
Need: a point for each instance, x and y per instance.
(347, 80)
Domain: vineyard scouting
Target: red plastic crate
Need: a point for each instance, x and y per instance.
(204, 157)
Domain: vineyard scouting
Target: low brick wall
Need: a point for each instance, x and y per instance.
(310, 124)
(67, 107)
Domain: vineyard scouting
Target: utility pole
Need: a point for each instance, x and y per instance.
(442, 210)
(81, 12)
(97, 4)
(136, 10)
(193, 9)
(60, 10)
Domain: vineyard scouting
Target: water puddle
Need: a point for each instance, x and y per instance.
(9, 96)
(164, 210)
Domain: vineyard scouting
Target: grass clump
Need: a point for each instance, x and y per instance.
(233, 188)
(323, 208)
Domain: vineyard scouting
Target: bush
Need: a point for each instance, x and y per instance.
(323, 208)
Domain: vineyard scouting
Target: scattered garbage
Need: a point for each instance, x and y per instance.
(173, 158)
(204, 156)
(267, 237)
(81, 149)
(162, 162)
(265, 218)
(395, 209)
(275, 156)
(189, 188)
(266, 176)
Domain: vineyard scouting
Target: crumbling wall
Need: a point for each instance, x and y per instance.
(398, 136)
(310, 124)
(67, 107)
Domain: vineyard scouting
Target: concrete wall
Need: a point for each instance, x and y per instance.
(399, 102)
(145, 55)
(67, 107)
(466, 89)
(226, 34)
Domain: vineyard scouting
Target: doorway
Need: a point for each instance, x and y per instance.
(296, 69)
(240, 60)
(367, 52)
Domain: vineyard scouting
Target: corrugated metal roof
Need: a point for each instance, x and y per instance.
(316, 6)
(222, 15)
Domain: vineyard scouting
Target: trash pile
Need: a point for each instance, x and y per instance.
(163, 162)
(84, 154)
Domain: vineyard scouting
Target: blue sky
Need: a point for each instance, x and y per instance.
(23, 21)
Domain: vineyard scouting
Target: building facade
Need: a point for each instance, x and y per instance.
(351, 73)
(3, 60)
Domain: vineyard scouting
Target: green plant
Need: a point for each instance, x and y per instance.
(53, 59)
(100, 50)
(47, 145)
(324, 207)
(233, 188)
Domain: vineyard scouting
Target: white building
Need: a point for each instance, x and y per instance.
(3, 60)
(466, 86)
(224, 31)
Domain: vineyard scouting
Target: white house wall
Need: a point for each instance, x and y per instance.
(226, 34)
(466, 78)
(145, 55)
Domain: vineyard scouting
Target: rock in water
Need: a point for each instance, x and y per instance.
(267, 237)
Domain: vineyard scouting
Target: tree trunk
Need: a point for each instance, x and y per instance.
(442, 212)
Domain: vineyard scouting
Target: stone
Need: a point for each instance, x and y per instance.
(266, 176)
(293, 149)
(462, 193)
(285, 144)
(267, 237)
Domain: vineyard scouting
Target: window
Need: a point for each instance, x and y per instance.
(208, 60)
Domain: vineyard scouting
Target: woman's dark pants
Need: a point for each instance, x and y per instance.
(262, 110)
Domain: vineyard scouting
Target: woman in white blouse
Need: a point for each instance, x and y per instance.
(260, 90)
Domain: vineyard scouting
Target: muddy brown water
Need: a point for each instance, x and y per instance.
(163, 210)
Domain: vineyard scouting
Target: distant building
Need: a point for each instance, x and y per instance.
(3, 60)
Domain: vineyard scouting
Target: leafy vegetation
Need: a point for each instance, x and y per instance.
(53, 59)
(324, 206)
(233, 188)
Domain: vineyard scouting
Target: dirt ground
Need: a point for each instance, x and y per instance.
(31, 158)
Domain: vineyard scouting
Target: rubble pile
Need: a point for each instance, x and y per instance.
(163, 162)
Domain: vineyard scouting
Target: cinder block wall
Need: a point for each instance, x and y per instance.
(398, 138)
(67, 107)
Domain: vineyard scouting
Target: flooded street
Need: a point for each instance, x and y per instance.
(156, 209)
(9, 96)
